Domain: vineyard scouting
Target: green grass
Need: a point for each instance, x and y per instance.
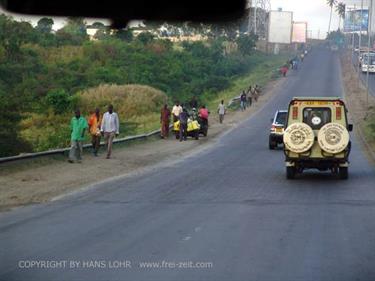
(369, 129)
(260, 75)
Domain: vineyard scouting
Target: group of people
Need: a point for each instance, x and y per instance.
(247, 97)
(294, 62)
(181, 114)
(108, 125)
(98, 125)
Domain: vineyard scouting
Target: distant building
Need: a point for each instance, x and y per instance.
(92, 30)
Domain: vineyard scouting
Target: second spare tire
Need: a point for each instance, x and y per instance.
(333, 138)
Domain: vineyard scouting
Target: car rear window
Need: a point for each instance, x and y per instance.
(316, 117)
(281, 118)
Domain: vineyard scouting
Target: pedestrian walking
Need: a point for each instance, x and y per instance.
(243, 101)
(249, 96)
(176, 110)
(257, 91)
(203, 115)
(284, 70)
(78, 126)
(94, 123)
(165, 117)
(194, 114)
(291, 63)
(110, 128)
(221, 110)
(253, 95)
(193, 103)
(183, 117)
(295, 64)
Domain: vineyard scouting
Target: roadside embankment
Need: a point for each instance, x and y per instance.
(35, 181)
(360, 105)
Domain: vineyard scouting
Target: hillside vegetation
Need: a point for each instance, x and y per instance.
(45, 75)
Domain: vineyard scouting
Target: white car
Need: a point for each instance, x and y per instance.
(334, 48)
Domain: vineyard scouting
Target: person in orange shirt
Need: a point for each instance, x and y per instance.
(94, 125)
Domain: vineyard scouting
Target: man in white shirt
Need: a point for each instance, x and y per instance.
(110, 128)
(221, 110)
(176, 110)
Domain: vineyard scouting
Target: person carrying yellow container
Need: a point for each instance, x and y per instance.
(183, 118)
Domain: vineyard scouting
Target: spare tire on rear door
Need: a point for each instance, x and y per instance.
(333, 138)
(298, 137)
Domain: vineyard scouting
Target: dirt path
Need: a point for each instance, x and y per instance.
(356, 101)
(36, 181)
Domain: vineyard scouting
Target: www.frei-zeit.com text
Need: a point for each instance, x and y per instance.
(112, 264)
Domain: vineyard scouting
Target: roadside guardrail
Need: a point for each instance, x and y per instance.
(65, 150)
(86, 146)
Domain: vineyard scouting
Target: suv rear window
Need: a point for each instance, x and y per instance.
(316, 117)
(281, 118)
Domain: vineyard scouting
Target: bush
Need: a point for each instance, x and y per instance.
(128, 100)
(59, 100)
(10, 141)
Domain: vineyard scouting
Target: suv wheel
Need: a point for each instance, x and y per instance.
(343, 173)
(290, 172)
(271, 144)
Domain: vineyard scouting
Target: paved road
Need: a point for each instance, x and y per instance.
(230, 206)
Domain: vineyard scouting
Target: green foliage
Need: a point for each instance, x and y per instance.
(13, 35)
(59, 100)
(10, 141)
(124, 34)
(45, 25)
(74, 32)
(43, 72)
(246, 44)
(145, 38)
(336, 37)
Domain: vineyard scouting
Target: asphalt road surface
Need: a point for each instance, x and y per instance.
(226, 213)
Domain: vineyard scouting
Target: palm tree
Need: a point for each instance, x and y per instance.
(330, 3)
(340, 9)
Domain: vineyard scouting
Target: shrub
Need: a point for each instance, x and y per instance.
(128, 100)
(59, 100)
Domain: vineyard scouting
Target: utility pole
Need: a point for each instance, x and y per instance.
(369, 60)
(360, 25)
(258, 11)
(255, 18)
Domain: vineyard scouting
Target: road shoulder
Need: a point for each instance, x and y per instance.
(35, 182)
(360, 106)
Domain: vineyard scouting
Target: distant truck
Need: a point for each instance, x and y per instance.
(334, 48)
(367, 62)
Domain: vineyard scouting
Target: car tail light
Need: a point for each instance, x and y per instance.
(338, 113)
(295, 112)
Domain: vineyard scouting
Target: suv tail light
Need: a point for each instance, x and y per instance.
(338, 113)
(294, 112)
